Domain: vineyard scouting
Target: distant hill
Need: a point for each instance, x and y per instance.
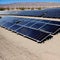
(31, 5)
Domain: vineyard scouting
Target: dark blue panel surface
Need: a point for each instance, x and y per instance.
(9, 19)
(45, 21)
(2, 22)
(52, 13)
(23, 22)
(38, 25)
(14, 27)
(23, 13)
(55, 22)
(50, 28)
(30, 13)
(7, 25)
(30, 24)
(33, 34)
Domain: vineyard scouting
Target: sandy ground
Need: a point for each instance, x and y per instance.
(16, 47)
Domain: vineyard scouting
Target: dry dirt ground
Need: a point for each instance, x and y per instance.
(16, 47)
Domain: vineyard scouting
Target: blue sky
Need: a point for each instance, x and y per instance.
(14, 1)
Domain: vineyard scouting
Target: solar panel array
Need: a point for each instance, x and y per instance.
(50, 13)
(35, 29)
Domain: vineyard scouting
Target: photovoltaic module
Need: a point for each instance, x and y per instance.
(35, 29)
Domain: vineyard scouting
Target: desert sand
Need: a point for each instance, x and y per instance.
(16, 47)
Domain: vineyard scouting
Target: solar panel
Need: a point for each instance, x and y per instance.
(41, 20)
(7, 25)
(37, 25)
(30, 24)
(50, 28)
(55, 22)
(52, 13)
(15, 19)
(45, 21)
(23, 22)
(9, 19)
(36, 35)
(14, 27)
(2, 22)
(31, 13)
(23, 13)
(36, 29)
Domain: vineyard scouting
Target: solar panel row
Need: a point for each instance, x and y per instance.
(23, 13)
(51, 13)
(35, 29)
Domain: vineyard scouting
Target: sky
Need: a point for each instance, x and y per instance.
(14, 1)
